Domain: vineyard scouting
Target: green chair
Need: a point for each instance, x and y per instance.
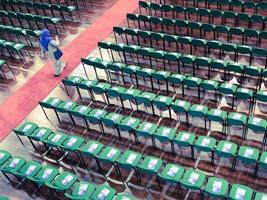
(216, 188)
(163, 103)
(236, 119)
(185, 140)
(145, 130)
(260, 196)
(199, 111)
(219, 65)
(78, 114)
(81, 191)
(245, 94)
(216, 115)
(71, 81)
(161, 76)
(262, 164)
(39, 135)
(240, 192)
(146, 98)
(30, 169)
(103, 192)
(165, 136)
(193, 82)
(205, 144)
(130, 95)
(27, 128)
(179, 106)
(128, 124)
(176, 79)
(13, 165)
(63, 110)
(228, 150)
(111, 120)
(228, 90)
(210, 86)
(50, 103)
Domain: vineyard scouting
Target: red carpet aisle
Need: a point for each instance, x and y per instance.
(20, 104)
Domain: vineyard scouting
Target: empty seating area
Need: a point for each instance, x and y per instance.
(171, 105)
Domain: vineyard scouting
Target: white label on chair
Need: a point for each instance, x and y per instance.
(264, 92)
(67, 179)
(125, 198)
(54, 101)
(98, 113)
(237, 116)
(210, 82)
(147, 96)
(185, 137)
(194, 78)
(163, 99)
(115, 88)
(103, 194)
(217, 112)
(30, 169)
(131, 121)
(114, 117)
(152, 163)
(130, 91)
(248, 153)
(265, 160)
(112, 153)
(178, 76)
(240, 194)
(82, 189)
(227, 147)
(217, 186)
(101, 85)
(17, 45)
(256, 121)
(181, 103)
(2, 154)
(41, 133)
(199, 108)
(82, 109)
(264, 197)
(147, 127)
(56, 137)
(244, 90)
(88, 83)
(71, 142)
(47, 173)
(132, 67)
(68, 105)
(131, 158)
(92, 147)
(163, 73)
(27, 127)
(193, 178)
(105, 63)
(148, 70)
(76, 79)
(166, 131)
(205, 142)
(14, 162)
(173, 171)
(228, 85)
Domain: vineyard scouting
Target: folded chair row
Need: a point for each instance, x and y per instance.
(30, 18)
(53, 178)
(190, 179)
(53, 8)
(170, 60)
(152, 77)
(188, 12)
(186, 27)
(208, 46)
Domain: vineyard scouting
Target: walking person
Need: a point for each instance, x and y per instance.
(51, 47)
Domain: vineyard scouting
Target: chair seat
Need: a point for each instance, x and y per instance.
(226, 149)
(4, 156)
(260, 196)
(41, 134)
(236, 119)
(171, 173)
(217, 187)
(261, 96)
(115, 91)
(184, 139)
(145, 72)
(193, 179)
(73, 143)
(248, 154)
(62, 182)
(205, 143)
(92, 148)
(65, 106)
(243, 93)
(150, 165)
(165, 134)
(56, 139)
(109, 155)
(209, 85)
(146, 129)
(51, 102)
(162, 101)
(129, 159)
(30, 169)
(176, 78)
(180, 106)
(192, 81)
(95, 115)
(216, 115)
(100, 88)
(46, 174)
(257, 124)
(72, 80)
(124, 197)
(80, 110)
(103, 192)
(227, 88)
(130, 94)
(263, 160)
(27, 128)
(130, 69)
(240, 192)
(13, 165)
(128, 123)
(198, 110)
(81, 191)
(87, 84)
(145, 98)
(160, 75)
(111, 119)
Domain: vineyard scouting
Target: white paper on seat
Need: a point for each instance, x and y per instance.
(68, 105)
(199, 108)
(166, 131)
(125, 198)
(147, 127)
(67, 179)
(92, 147)
(173, 171)
(256, 121)
(194, 78)
(240, 194)
(112, 153)
(264, 92)
(237, 116)
(98, 113)
(27, 127)
(88, 83)
(114, 117)
(2, 154)
(133, 67)
(71, 142)
(131, 158)
(217, 186)
(210, 82)
(101, 85)
(193, 178)
(226, 147)
(130, 91)
(147, 96)
(181, 103)
(76, 79)
(56, 137)
(264, 197)
(163, 99)
(245, 90)
(14, 162)
(103, 194)
(265, 160)
(152, 163)
(147, 70)
(163, 73)
(131, 121)
(185, 137)
(82, 109)
(47, 173)
(217, 112)
(54, 101)
(205, 142)
(178, 76)
(82, 189)
(228, 85)
(248, 153)
(30, 169)
(41, 133)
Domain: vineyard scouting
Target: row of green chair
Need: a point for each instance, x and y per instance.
(175, 26)
(171, 59)
(224, 16)
(12, 31)
(154, 166)
(53, 8)
(11, 47)
(2, 65)
(54, 179)
(30, 18)
(207, 45)
(171, 79)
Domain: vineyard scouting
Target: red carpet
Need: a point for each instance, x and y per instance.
(21, 103)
